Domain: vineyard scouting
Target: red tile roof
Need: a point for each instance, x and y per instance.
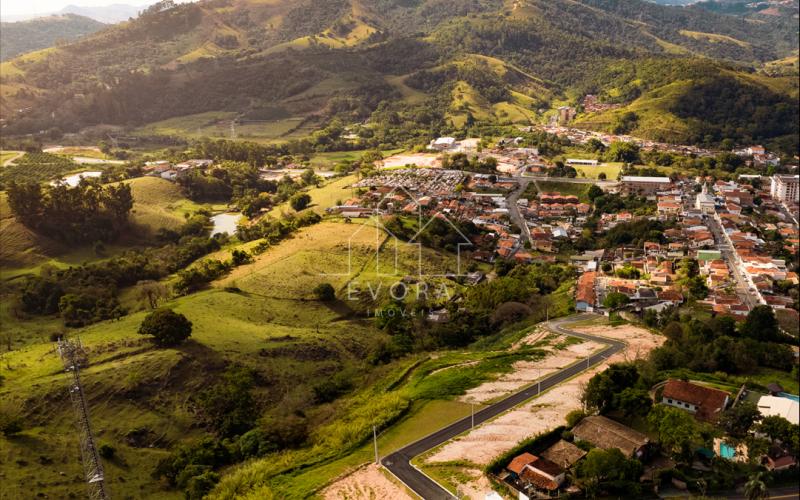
(538, 480)
(709, 402)
(520, 462)
(585, 291)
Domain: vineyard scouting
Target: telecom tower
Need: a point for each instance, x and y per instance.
(73, 355)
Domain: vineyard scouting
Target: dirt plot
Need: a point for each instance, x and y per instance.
(546, 412)
(418, 159)
(527, 372)
(366, 483)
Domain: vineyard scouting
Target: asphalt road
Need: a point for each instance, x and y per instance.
(513, 208)
(399, 462)
(742, 286)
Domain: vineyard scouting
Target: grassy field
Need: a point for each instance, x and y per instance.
(567, 188)
(158, 203)
(611, 170)
(84, 152)
(271, 324)
(322, 197)
(217, 124)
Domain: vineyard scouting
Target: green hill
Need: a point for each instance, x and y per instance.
(26, 36)
(295, 65)
(695, 101)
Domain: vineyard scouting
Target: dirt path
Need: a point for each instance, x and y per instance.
(9, 162)
(365, 483)
(546, 412)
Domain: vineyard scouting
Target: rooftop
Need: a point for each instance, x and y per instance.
(638, 178)
(708, 401)
(606, 433)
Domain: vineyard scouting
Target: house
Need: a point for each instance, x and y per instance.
(644, 186)
(585, 296)
(605, 433)
(442, 143)
(704, 402)
(531, 474)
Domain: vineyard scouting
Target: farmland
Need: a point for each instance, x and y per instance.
(37, 167)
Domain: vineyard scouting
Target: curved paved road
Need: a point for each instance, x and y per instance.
(399, 462)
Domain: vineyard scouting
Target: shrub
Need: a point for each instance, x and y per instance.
(299, 201)
(574, 417)
(325, 292)
(106, 451)
(167, 327)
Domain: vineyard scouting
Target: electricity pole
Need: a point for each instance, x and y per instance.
(375, 442)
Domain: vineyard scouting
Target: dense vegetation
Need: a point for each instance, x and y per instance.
(83, 214)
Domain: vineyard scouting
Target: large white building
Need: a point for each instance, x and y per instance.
(781, 407)
(785, 188)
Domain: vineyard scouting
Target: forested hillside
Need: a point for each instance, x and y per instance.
(26, 36)
(311, 61)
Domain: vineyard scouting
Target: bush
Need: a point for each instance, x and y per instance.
(10, 424)
(574, 417)
(325, 292)
(197, 487)
(299, 201)
(106, 451)
(167, 327)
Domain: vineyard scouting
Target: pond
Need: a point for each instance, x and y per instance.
(225, 223)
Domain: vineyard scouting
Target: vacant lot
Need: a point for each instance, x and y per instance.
(545, 412)
(418, 159)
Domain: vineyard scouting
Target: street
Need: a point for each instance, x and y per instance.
(399, 462)
(728, 253)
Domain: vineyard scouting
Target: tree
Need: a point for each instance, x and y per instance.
(627, 152)
(601, 392)
(595, 191)
(299, 201)
(634, 402)
(325, 292)
(615, 300)
(677, 430)
(761, 324)
(602, 176)
(780, 429)
(738, 420)
(152, 291)
(756, 488)
(228, 407)
(167, 327)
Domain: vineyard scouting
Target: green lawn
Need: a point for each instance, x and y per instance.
(611, 170)
(323, 197)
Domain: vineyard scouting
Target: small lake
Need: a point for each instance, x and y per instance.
(74, 179)
(225, 223)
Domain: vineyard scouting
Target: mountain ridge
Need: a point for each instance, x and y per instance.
(145, 70)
